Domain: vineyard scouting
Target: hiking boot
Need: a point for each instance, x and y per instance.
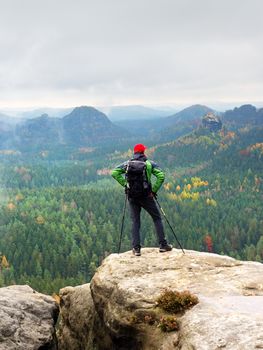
(136, 251)
(165, 248)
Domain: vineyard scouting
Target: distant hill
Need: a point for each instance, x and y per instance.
(52, 112)
(220, 151)
(246, 114)
(182, 122)
(84, 126)
(136, 112)
(40, 132)
(169, 127)
(6, 129)
(4, 117)
(191, 113)
(87, 125)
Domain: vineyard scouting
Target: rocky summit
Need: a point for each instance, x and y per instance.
(119, 309)
(27, 319)
(211, 122)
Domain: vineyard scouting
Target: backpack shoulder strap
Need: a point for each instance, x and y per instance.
(148, 170)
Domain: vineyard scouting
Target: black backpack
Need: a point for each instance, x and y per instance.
(138, 184)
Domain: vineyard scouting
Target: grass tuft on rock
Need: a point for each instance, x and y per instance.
(168, 324)
(174, 301)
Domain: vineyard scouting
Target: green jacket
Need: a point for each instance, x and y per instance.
(151, 169)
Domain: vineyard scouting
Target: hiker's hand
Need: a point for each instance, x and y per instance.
(153, 195)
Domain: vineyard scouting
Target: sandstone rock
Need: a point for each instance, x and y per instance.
(77, 318)
(124, 290)
(212, 122)
(27, 319)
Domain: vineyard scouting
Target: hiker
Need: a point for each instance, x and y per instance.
(135, 176)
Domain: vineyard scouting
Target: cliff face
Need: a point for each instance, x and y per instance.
(27, 319)
(118, 309)
(77, 318)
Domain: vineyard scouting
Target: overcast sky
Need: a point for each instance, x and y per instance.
(116, 52)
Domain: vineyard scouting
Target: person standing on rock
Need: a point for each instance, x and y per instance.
(135, 175)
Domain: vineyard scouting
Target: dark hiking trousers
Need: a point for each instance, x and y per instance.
(150, 206)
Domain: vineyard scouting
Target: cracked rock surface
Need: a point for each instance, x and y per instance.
(27, 319)
(77, 318)
(124, 290)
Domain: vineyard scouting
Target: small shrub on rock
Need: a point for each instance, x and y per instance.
(168, 324)
(143, 316)
(173, 301)
(149, 319)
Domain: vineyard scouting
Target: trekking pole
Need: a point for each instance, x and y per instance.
(168, 223)
(122, 222)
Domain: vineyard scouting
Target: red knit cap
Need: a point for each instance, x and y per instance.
(139, 148)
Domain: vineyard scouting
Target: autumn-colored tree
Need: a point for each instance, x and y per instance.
(4, 262)
(209, 243)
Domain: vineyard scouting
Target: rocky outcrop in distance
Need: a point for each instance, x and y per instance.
(212, 122)
(27, 319)
(118, 309)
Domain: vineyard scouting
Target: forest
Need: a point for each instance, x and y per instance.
(59, 218)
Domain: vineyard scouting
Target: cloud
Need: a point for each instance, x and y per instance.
(141, 51)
